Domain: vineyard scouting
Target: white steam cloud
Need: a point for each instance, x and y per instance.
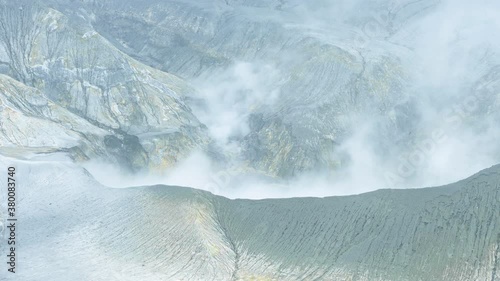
(232, 94)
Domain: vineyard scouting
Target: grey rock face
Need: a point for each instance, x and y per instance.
(33, 122)
(327, 80)
(76, 69)
(74, 226)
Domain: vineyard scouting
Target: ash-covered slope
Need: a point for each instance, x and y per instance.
(71, 227)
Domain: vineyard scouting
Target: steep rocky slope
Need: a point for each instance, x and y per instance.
(70, 226)
(31, 121)
(141, 110)
(324, 82)
(339, 63)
